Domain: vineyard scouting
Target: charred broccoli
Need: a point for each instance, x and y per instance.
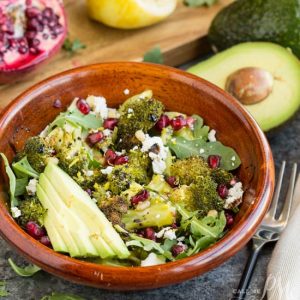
(88, 179)
(31, 210)
(140, 112)
(200, 195)
(114, 208)
(221, 176)
(38, 153)
(136, 170)
(189, 169)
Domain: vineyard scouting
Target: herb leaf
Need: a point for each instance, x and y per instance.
(62, 296)
(21, 184)
(73, 46)
(200, 131)
(184, 148)
(12, 181)
(89, 121)
(3, 291)
(197, 3)
(27, 271)
(23, 169)
(154, 56)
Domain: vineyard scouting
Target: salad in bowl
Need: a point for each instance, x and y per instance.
(130, 186)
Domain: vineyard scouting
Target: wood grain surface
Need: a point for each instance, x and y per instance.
(179, 38)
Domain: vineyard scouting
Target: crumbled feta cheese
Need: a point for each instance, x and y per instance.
(167, 233)
(140, 135)
(108, 194)
(119, 153)
(16, 213)
(88, 173)
(234, 197)
(107, 132)
(143, 205)
(201, 150)
(135, 148)
(31, 187)
(126, 92)
(212, 213)
(181, 239)
(107, 170)
(130, 110)
(98, 105)
(152, 259)
(113, 113)
(159, 156)
(212, 136)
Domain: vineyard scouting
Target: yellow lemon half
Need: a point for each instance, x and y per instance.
(129, 14)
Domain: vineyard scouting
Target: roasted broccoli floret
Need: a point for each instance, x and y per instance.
(200, 196)
(136, 170)
(140, 112)
(189, 169)
(38, 153)
(88, 179)
(158, 214)
(114, 208)
(221, 176)
(31, 210)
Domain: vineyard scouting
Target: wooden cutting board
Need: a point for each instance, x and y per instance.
(180, 37)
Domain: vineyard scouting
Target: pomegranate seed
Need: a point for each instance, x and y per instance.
(229, 219)
(172, 181)
(190, 121)
(89, 191)
(110, 123)
(33, 24)
(214, 161)
(163, 122)
(58, 29)
(121, 160)
(222, 190)
(94, 138)
(174, 226)
(178, 123)
(177, 249)
(31, 12)
(30, 35)
(45, 241)
(140, 197)
(34, 43)
(83, 106)
(34, 51)
(57, 103)
(35, 230)
(110, 157)
(149, 233)
(48, 13)
(23, 50)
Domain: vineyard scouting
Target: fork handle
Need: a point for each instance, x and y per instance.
(241, 291)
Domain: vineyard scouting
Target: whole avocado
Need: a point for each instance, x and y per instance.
(258, 20)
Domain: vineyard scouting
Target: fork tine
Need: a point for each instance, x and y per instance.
(289, 197)
(272, 211)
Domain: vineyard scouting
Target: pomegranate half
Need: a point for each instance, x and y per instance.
(30, 32)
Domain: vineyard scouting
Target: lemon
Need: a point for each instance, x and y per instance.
(129, 14)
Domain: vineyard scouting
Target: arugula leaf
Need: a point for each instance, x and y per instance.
(154, 56)
(197, 3)
(184, 148)
(201, 244)
(12, 181)
(21, 184)
(89, 121)
(200, 131)
(208, 226)
(73, 46)
(27, 271)
(3, 291)
(61, 296)
(23, 169)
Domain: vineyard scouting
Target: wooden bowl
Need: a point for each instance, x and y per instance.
(28, 114)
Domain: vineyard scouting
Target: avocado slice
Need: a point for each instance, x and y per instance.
(257, 20)
(276, 88)
(57, 222)
(80, 203)
(76, 228)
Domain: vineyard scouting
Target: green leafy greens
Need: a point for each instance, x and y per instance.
(27, 271)
(73, 46)
(184, 148)
(23, 169)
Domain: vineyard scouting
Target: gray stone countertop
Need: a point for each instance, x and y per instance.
(217, 284)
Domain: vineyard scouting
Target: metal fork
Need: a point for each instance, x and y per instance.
(269, 230)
